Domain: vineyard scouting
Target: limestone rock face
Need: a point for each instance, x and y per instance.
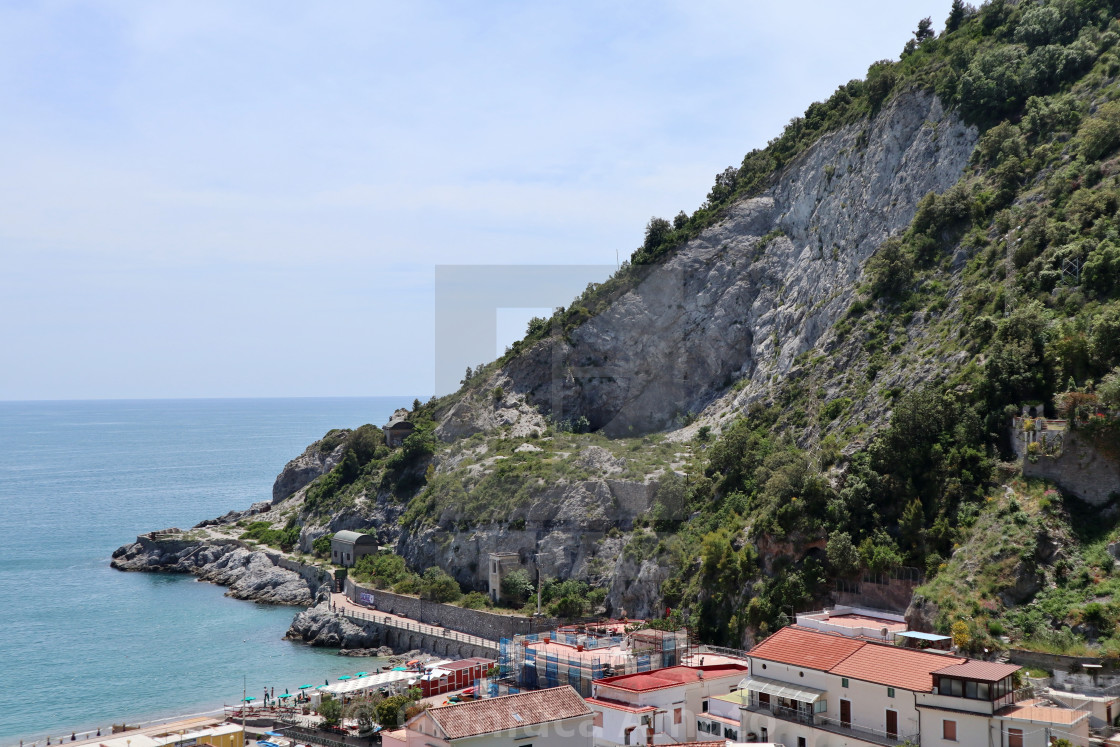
(751, 293)
(299, 472)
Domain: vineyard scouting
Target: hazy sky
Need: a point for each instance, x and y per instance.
(221, 199)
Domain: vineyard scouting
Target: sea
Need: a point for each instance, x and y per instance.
(85, 646)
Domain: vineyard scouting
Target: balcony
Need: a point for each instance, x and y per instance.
(832, 725)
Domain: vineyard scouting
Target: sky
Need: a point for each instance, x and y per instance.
(250, 199)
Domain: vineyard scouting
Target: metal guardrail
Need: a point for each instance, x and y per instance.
(833, 725)
(422, 628)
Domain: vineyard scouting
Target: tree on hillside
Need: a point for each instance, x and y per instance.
(956, 16)
(842, 554)
(925, 30)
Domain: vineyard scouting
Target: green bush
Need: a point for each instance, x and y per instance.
(438, 586)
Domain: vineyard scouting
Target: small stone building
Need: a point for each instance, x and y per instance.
(501, 563)
(398, 428)
(347, 547)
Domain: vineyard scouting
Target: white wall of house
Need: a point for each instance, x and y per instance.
(680, 704)
(978, 729)
(611, 726)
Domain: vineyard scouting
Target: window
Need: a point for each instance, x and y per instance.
(970, 690)
(890, 692)
(676, 715)
(598, 719)
(843, 682)
(704, 706)
(949, 730)
(763, 733)
(801, 742)
(1014, 738)
(984, 691)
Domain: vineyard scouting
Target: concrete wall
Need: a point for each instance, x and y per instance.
(481, 623)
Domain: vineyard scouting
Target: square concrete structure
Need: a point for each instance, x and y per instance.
(501, 564)
(347, 547)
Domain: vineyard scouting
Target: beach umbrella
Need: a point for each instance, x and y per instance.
(361, 674)
(304, 687)
(285, 695)
(250, 698)
(344, 677)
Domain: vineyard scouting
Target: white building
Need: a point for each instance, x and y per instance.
(664, 703)
(814, 689)
(556, 717)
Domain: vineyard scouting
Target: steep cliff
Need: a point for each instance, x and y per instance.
(745, 298)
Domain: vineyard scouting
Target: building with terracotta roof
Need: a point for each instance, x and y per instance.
(809, 689)
(556, 717)
(659, 705)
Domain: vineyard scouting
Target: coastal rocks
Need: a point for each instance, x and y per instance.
(318, 626)
(380, 652)
(314, 462)
(250, 574)
(254, 576)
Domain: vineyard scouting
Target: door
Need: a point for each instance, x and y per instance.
(764, 700)
(846, 713)
(892, 724)
(1014, 738)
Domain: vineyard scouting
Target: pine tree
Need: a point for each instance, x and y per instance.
(925, 30)
(956, 16)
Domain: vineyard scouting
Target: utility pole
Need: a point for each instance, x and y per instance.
(538, 558)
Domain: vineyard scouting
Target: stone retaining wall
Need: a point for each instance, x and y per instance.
(1081, 469)
(481, 623)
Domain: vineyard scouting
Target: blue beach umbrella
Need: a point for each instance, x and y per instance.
(249, 699)
(361, 674)
(344, 677)
(304, 687)
(272, 733)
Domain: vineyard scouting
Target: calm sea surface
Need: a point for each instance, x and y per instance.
(84, 645)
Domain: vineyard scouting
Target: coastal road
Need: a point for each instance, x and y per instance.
(341, 604)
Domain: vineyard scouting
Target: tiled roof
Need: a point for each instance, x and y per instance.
(670, 677)
(988, 671)
(848, 657)
(507, 712)
(894, 667)
(455, 666)
(806, 648)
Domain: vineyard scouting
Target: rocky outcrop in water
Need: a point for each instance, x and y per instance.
(254, 575)
(318, 626)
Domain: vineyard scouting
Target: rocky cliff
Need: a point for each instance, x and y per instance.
(744, 299)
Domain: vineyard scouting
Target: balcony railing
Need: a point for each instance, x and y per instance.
(833, 725)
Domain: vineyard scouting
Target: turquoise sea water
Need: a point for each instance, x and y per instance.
(84, 645)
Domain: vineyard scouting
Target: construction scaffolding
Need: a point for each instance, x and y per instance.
(579, 656)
